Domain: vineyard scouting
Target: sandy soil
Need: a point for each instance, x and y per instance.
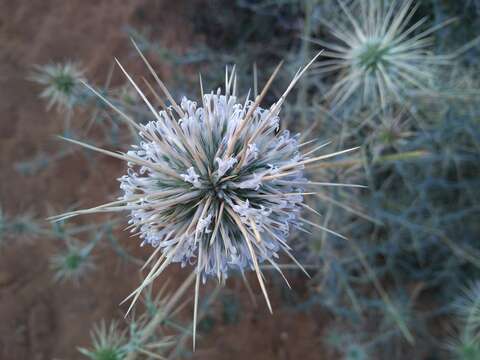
(40, 319)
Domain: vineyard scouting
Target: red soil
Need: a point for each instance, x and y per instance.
(40, 319)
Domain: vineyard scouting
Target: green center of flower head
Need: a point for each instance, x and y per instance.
(64, 82)
(20, 227)
(372, 55)
(388, 136)
(107, 354)
(72, 261)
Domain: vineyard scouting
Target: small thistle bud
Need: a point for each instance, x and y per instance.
(108, 343)
(21, 227)
(127, 95)
(356, 352)
(73, 263)
(61, 84)
(466, 344)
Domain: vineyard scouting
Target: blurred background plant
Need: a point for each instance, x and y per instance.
(155, 334)
(465, 344)
(413, 234)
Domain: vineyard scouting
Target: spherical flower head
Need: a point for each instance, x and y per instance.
(222, 184)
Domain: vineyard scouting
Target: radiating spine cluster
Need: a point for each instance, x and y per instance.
(378, 53)
(61, 82)
(215, 190)
(213, 184)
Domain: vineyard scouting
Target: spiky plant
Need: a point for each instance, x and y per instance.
(466, 346)
(61, 84)
(128, 95)
(378, 53)
(213, 183)
(24, 225)
(73, 263)
(156, 330)
(20, 227)
(468, 309)
(108, 343)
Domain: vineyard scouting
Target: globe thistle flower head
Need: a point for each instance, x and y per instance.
(61, 84)
(378, 53)
(226, 182)
(212, 184)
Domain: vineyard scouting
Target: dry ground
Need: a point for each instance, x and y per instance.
(43, 320)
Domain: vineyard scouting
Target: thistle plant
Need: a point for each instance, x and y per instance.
(466, 345)
(378, 53)
(61, 84)
(468, 309)
(157, 332)
(108, 343)
(213, 184)
(20, 227)
(465, 349)
(73, 263)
